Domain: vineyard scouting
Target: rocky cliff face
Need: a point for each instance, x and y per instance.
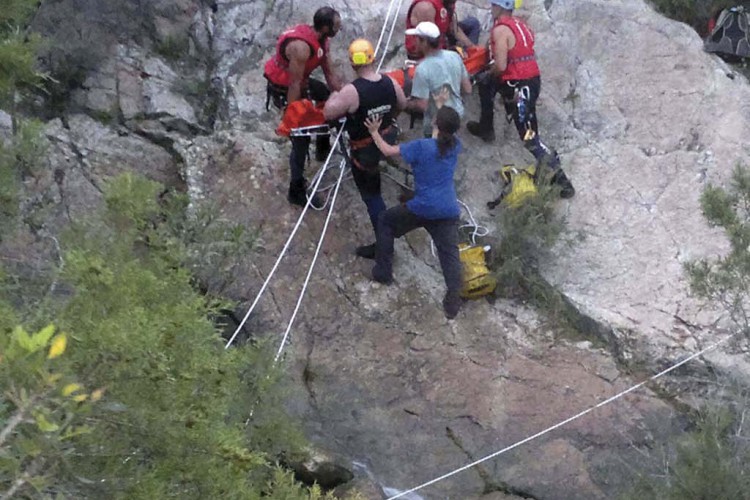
(643, 120)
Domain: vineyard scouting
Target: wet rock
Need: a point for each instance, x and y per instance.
(321, 469)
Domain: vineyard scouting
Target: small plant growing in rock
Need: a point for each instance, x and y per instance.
(724, 281)
(529, 231)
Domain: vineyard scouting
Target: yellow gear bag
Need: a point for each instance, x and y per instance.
(520, 184)
(477, 279)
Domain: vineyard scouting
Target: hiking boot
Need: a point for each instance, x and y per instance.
(380, 276)
(487, 134)
(566, 187)
(452, 304)
(297, 195)
(366, 251)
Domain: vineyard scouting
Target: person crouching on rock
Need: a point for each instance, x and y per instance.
(370, 94)
(434, 206)
(299, 50)
(515, 75)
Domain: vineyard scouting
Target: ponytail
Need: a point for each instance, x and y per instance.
(448, 122)
(445, 143)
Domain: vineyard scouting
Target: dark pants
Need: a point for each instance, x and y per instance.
(521, 109)
(399, 220)
(472, 28)
(317, 91)
(365, 170)
(367, 179)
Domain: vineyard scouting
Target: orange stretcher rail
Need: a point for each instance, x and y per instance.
(304, 113)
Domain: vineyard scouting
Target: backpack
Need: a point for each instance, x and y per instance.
(476, 277)
(730, 37)
(519, 183)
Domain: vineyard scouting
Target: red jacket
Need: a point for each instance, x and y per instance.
(521, 58)
(442, 20)
(277, 68)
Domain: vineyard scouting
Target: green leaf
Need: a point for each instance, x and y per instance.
(44, 424)
(40, 338)
(22, 339)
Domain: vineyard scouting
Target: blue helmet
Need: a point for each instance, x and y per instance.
(506, 4)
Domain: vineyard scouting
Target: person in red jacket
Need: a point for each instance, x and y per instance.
(442, 13)
(299, 51)
(515, 75)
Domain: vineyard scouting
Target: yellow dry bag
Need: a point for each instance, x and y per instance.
(477, 279)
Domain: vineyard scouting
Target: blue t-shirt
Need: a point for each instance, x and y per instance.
(435, 191)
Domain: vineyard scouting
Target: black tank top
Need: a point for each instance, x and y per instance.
(375, 99)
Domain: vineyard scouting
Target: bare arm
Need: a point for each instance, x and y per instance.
(373, 124)
(422, 11)
(341, 103)
(461, 37)
(417, 105)
(466, 85)
(501, 37)
(333, 79)
(400, 96)
(297, 52)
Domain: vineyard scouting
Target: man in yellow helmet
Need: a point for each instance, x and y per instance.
(370, 95)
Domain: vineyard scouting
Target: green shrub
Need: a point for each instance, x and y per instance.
(528, 233)
(712, 461)
(178, 415)
(723, 281)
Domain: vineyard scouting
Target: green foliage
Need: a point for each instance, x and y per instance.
(179, 415)
(18, 51)
(20, 156)
(528, 233)
(696, 13)
(725, 280)
(713, 461)
(42, 408)
(173, 48)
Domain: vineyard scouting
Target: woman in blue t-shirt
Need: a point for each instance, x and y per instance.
(434, 206)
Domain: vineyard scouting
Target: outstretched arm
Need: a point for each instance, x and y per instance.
(333, 79)
(373, 124)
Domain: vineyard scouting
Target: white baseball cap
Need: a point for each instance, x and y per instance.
(425, 29)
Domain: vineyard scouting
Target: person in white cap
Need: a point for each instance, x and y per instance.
(443, 13)
(440, 71)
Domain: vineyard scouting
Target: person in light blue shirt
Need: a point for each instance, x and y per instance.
(439, 70)
(434, 206)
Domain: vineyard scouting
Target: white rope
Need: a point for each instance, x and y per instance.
(385, 24)
(478, 231)
(316, 184)
(342, 166)
(566, 421)
(283, 250)
(390, 34)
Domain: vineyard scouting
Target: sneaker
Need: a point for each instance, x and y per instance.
(487, 134)
(366, 251)
(380, 276)
(451, 305)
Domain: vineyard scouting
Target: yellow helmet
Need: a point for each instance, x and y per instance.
(361, 52)
(518, 4)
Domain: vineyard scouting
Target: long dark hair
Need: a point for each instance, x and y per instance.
(448, 122)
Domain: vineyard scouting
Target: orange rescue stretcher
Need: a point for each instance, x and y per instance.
(305, 118)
